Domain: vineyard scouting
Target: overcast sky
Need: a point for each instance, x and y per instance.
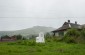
(21, 14)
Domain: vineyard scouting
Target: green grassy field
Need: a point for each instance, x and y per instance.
(49, 48)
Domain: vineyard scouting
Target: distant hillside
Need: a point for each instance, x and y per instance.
(28, 31)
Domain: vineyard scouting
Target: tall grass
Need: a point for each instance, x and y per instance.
(29, 47)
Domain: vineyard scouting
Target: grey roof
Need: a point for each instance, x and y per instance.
(68, 25)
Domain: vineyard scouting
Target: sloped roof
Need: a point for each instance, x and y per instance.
(67, 25)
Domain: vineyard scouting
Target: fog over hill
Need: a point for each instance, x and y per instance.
(28, 31)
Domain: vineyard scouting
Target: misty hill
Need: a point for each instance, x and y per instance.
(28, 31)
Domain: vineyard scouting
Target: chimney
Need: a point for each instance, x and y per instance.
(68, 21)
(75, 22)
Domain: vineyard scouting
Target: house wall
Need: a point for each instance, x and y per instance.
(65, 32)
(61, 33)
(57, 34)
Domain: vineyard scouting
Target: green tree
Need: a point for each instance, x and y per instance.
(19, 37)
(5, 36)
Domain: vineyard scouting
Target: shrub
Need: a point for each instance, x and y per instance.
(71, 36)
(83, 32)
(73, 32)
(69, 39)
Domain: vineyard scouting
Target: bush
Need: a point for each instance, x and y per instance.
(73, 32)
(83, 32)
(69, 39)
(71, 36)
